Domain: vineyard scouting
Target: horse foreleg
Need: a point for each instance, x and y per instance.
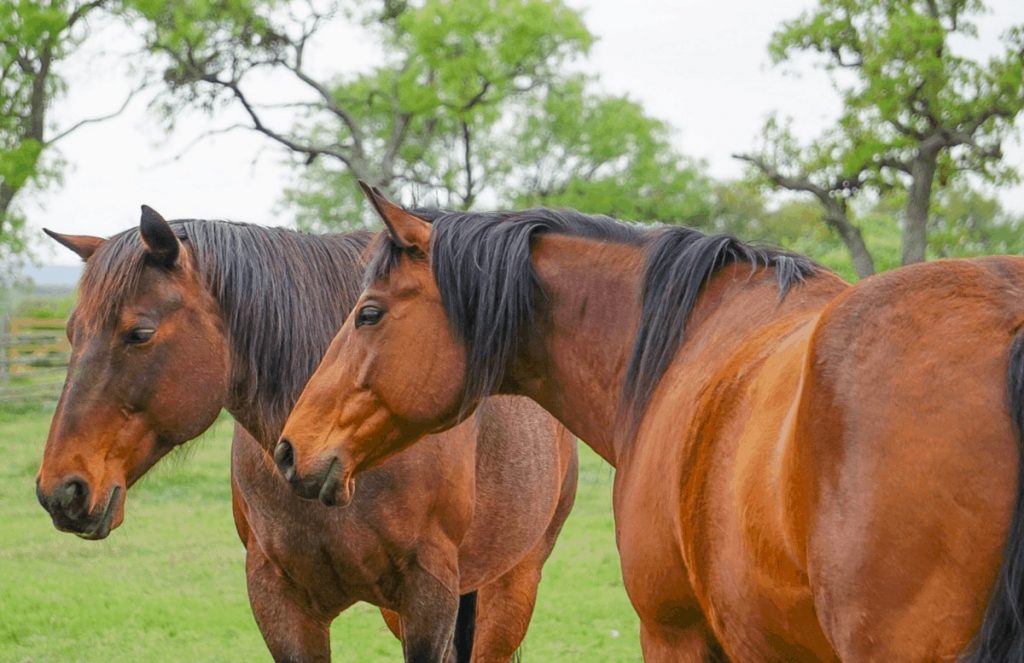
(428, 610)
(291, 631)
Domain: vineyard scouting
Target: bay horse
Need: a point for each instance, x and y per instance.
(805, 470)
(178, 320)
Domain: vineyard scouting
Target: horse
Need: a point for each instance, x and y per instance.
(805, 470)
(177, 320)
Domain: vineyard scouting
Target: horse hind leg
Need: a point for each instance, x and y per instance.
(505, 606)
(669, 644)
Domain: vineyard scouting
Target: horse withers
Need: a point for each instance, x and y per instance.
(805, 470)
(177, 320)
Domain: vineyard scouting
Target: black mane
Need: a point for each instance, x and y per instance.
(679, 261)
(283, 295)
(487, 283)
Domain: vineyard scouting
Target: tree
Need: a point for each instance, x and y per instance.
(420, 119)
(562, 146)
(783, 162)
(965, 222)
(571, 147)
(915, 111)
(473, 101)
(34, 37)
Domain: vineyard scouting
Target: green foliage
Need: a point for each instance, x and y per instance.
(49, 307)
(203, 35)
(473, 104)
(901, 80)
(169, 584)
(19, 163)
(435, 117)
(454, 51)
(34, 36)
(574, 148)
(966, 223)
(917, 114)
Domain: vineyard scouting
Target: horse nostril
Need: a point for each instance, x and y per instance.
(73, 497)
(284, 456)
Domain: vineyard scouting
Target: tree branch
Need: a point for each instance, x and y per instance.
(981, 118)
(330, 103)
(82, 10)
(101, 118)
(209, 133)
(785, 181)
(467, 155)
(311, 151)
(835, 211)
(895, 164)
(916, 103)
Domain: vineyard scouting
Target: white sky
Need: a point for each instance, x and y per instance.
(702, 66)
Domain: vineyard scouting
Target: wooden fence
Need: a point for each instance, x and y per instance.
(33, 359)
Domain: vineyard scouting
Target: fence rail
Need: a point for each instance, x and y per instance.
(33, 359)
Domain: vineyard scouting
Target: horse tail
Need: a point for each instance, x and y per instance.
(465, 627)
(1002, 632)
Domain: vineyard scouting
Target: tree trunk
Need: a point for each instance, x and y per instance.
(863, 263)
(915, 230)
(835, 216)
(6, 198)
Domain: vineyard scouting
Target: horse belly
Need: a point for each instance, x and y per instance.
(520, 470)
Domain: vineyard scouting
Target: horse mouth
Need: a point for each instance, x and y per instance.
(336, 477)
(103, 527)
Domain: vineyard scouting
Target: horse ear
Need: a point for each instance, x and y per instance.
(161, 242)
(83, 245)
(407, 229)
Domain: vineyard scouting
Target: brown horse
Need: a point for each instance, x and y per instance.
(179, 320)
(805, 470)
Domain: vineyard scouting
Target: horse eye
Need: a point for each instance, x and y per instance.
(139, 335)
(369, 315)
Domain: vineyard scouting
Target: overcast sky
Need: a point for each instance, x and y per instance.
(699, 65)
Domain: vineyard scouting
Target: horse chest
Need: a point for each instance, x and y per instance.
(326, 552)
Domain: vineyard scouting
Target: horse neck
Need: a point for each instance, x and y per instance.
(254, 419)
(575, 366)
(260, 417)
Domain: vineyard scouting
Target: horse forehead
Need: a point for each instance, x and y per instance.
(410, 279)
(156, 292)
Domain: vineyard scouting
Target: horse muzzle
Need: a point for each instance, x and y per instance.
(69, 508)
(332, 485)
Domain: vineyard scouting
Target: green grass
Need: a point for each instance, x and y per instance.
(169, 584)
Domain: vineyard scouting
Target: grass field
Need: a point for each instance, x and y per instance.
(169, 584)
